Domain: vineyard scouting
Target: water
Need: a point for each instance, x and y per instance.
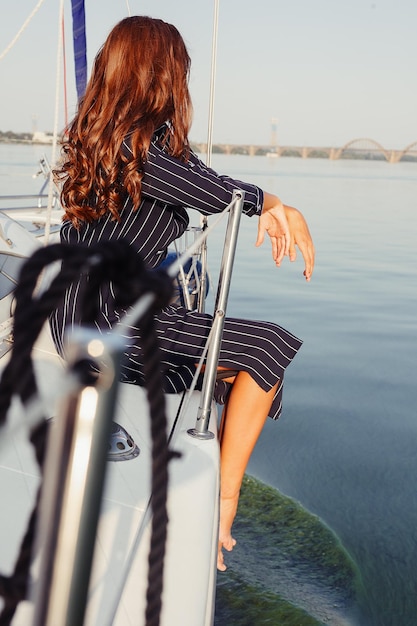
(19, 165)
(345, 449)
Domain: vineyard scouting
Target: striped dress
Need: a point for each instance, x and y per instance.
(261, 348)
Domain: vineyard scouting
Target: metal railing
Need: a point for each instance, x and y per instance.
(201, 428)
(73, 484)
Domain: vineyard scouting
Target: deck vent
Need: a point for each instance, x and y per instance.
(121, 445)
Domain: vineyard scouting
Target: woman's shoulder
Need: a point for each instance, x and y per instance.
(158, 136)
(157, 145)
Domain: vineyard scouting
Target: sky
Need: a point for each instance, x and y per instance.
(329, 71)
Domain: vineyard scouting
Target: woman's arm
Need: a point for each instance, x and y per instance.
(196, 186)
(193, 184)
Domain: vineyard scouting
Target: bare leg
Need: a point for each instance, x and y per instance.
(242, 422)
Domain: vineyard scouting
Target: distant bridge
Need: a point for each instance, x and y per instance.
(363, 148)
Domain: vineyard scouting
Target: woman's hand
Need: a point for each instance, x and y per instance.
(274, 222)
(300, 236)
(287, 229)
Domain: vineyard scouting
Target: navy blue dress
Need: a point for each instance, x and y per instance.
(169, 186)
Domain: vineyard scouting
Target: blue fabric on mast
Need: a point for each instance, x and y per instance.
(80, 45)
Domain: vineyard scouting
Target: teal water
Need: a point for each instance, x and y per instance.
(346, 445)
(329, 536)
(289, 567)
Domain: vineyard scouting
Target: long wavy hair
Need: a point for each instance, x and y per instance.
(139, 81)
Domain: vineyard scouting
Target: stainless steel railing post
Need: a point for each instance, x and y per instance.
(201, 428)
(73, 484)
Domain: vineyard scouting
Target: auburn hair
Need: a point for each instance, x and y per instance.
(139, 81)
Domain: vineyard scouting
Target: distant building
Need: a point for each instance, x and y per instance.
(41, 137)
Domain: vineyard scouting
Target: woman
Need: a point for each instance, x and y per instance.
(128, 171)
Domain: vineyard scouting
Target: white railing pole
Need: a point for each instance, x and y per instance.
(73, 484)
(201, 428)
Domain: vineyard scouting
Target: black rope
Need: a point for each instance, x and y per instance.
(115, 261)
(160, 458)
(14, 588)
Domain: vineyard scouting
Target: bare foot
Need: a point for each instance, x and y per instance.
(228, 508)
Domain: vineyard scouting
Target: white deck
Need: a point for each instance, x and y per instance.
(190, 562)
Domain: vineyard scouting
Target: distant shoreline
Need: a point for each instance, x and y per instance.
(41, 138)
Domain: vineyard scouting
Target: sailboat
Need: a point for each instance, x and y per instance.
(92, 562)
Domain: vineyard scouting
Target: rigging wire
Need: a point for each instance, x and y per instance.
(21, 30)
(65, 74)
(212, 82)
(55, 133)
(204, 219)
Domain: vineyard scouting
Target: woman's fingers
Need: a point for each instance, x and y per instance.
(287, 231)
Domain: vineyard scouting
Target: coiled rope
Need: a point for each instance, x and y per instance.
(117, 262)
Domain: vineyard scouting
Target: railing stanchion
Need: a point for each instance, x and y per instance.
(73, 484)
(201, 430)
